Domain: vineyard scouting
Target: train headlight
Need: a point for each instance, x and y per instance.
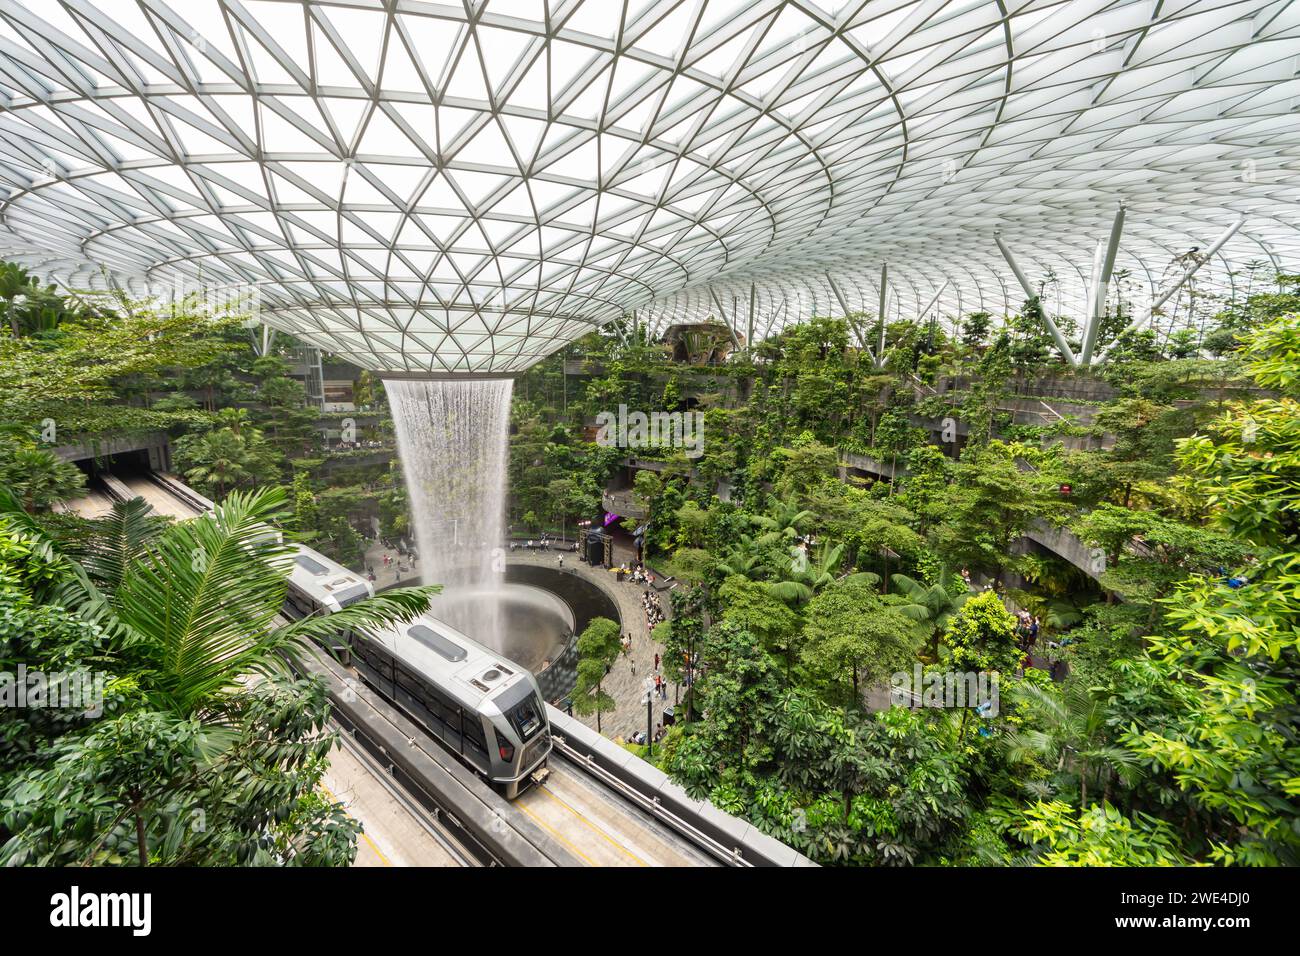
(506, 751)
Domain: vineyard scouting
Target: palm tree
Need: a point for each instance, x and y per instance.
(804, 578)
(743, 560)
(930, 606)
(206, 596)
(1069, 731)
(39, 477)
(784, 522)
(191, 613)
(233, 418)
(224, 461)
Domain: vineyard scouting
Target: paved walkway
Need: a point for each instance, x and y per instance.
(388, 576)
(624, 682)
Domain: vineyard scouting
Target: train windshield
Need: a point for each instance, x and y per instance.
(526, 718)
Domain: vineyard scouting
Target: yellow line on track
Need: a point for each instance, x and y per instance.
(555, 833)
(594, 829)
(365, 836)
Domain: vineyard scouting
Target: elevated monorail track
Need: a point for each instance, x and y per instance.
(598, 804)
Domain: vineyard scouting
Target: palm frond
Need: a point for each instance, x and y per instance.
(112, 542)
(914, 612)
(72, 588)
(790, 591)
(391, 607)
(908, 585)
(207, 593)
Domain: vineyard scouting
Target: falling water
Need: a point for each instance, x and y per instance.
(452, 437)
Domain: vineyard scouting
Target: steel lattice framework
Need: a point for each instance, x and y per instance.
(439, 188)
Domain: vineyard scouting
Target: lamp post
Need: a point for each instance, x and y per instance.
(649, 698)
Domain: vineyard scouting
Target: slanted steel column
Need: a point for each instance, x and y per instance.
(1062, 346)
(934, 298)
(725, 321)
(753, 304)
(839, 296)
(1164, 297)
(1101, 282)
(848, 317)
(884, 293)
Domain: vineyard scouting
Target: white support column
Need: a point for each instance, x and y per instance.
(1062, 346)
(848, 317)
(1101, 283)
(753, 305)
(884, 293)
(722, 313)
(1164, 297)
(933, 299)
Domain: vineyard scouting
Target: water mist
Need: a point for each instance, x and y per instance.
(453, 440)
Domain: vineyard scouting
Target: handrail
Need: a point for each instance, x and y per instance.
(651, 805)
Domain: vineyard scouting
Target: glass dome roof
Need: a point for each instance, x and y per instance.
(423, 187)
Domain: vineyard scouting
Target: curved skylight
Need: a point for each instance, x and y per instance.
(433, 188)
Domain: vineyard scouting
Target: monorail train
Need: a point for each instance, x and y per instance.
(487, 710)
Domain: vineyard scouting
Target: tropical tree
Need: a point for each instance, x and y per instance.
(1228, 661)
(37, 476)
(801, 578)
(753, 607)
(982, 636)
(225, 458)
(744, 559)
(850, 632)
(930, 606)
(783, 523)
(598, 648)
(212, 751)
(1068, 731)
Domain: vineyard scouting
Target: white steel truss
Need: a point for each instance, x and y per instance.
(460, 188)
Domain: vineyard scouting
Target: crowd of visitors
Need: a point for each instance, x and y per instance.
(1027, 627)
(654, 611)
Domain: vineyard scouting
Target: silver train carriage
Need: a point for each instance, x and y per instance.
(317, 584)
(481, 706)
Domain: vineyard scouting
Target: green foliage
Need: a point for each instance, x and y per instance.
(37, 476)
(982, 636)
(1060, 835)
(849, 633)
(598, 647)
(190, 762)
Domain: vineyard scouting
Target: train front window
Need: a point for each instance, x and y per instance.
(526, 718)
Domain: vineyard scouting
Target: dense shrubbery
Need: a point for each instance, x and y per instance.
(1172, 740)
